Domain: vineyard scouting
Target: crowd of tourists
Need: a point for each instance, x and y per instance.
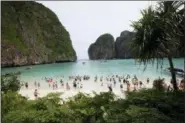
(130, 83)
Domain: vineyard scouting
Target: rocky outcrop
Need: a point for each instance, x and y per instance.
(122, 46)
(32, 34)
(103, 48)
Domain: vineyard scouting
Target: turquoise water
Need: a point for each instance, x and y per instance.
(92, 68)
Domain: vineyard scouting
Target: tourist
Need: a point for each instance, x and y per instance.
(114, 83)
(182, 84)
(61, 81)
(140, 83)
(74, 84)
(53, 85)
(148, 80)
(95, 78)
(26, 85)
(128, 86)
(169, 88)
(136, 84)
(134, 87)
(35, 84)
(81, 86)
(102, 84)
(110, 87)
(67, 86)
(56, 85)
(121, 86)
(36, 93)
(38, 84)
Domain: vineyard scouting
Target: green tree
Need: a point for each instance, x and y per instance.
(157, 34)
(10, 82)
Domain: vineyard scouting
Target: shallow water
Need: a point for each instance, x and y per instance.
(92, 68)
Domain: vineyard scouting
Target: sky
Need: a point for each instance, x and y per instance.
(87, 20)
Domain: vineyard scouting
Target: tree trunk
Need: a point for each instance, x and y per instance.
(173, 74)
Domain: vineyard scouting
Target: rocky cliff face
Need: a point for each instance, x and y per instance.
(103, 48)
(122, 47)
(32, 34)
(106, 48)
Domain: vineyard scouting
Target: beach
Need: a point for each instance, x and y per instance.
(88, 87)
(58, 71)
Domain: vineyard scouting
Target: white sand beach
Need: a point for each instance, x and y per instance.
(88, 87)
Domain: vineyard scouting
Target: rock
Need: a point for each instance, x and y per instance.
(32, 34)
(122, 47)
(103, 48)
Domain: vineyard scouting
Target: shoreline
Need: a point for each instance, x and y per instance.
(88, 87)
(42, 63)
(69, 61)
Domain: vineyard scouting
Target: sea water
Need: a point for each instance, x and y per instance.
(93, 68)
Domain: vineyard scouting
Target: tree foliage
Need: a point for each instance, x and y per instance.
(145, 106)
(158, 33)
(10, 82)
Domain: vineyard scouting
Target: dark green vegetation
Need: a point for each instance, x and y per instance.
(158, 33)
(10, 82)
(145, 106)
(103, 48)
(32, 34)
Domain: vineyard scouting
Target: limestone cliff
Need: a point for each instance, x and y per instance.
(122, 46)
(32, 34)
(103, 48)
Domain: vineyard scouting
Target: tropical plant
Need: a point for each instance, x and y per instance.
(10, 82)
(157, 34)
(158, 84)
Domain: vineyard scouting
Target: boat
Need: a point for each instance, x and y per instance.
(178, 71)
(28, 68)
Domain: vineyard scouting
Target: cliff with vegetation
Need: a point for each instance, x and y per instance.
(32, 34)
(103, 48)
(106, 48)
(122, 45)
